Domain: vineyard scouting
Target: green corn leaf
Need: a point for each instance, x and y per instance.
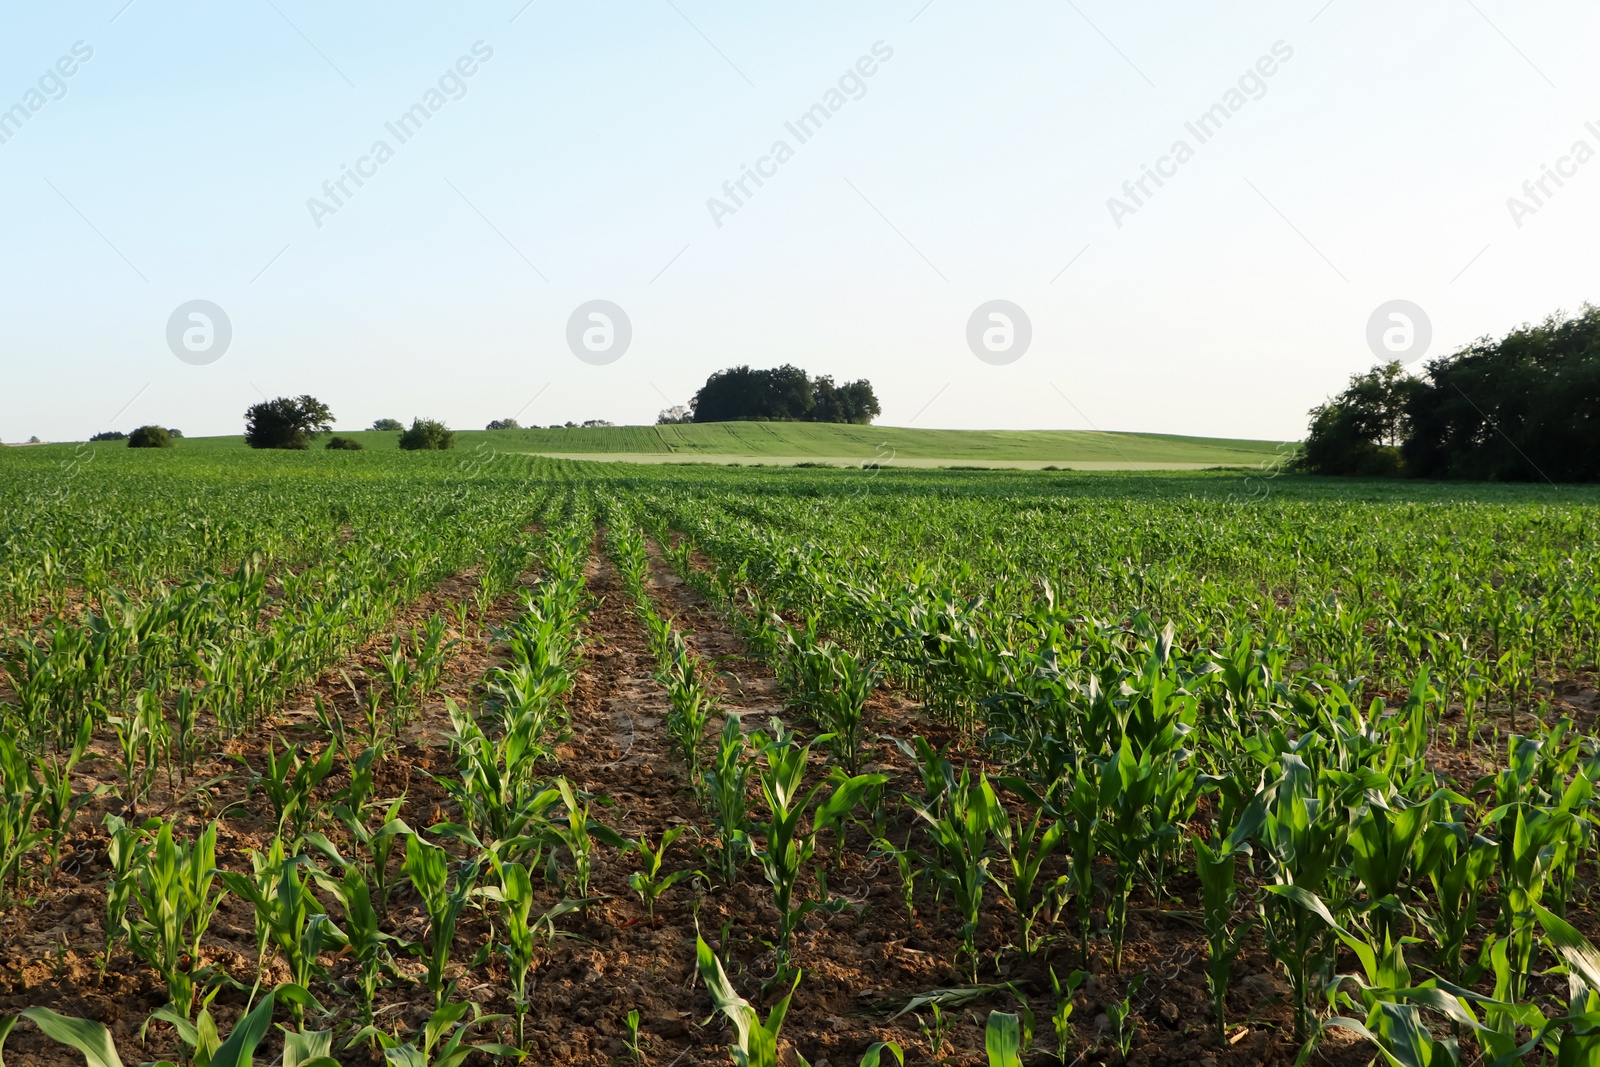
(875, 1052)
(1002, 1037)
(239, 1049)
(85, 1035)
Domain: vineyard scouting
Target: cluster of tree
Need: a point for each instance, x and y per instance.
(1523, 408)
(389, 425)
(143, 437)
(782, 394)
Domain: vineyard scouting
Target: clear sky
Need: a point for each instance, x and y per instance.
(960, 152)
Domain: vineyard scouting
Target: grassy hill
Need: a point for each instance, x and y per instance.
(790, 443)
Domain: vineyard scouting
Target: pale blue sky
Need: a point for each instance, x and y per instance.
(577, 162)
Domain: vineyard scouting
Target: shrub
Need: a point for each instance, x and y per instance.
(286, 422)
(150, 437)
(109, 435)
(388, 425)
(344, 444)
(427, 434)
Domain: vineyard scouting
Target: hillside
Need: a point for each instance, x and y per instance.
(791, 443)
(821, 442)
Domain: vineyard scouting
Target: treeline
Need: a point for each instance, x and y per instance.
(782, 394)
(1523, 408)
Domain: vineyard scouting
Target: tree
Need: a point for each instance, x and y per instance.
(388, 425)
(503, 424)
(783, 393)
(1359, 431)
(427, 435)
(674, 416)
(286, 422)
(109, 435)
(150, 437)
(852, 402)
(1522, 408)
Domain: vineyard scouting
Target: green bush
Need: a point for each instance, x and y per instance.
(344, 444)
(150, 437)
(427, 434)
(389, 425)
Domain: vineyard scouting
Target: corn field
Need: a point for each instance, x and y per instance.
(361, 759)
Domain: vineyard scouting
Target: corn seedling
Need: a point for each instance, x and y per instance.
(727, 786)
(19, 801)
(428, 868)
(1027, 847)
(960, 829)
(756, 1042)
(634, 1040)
(290, 783)
(1061, 1014)
(648, 881)
(514, 894)
(1124, 1025)
(788, 848)
(577, 832)
(172, 887)
(368, 944)
(288, 915)
(442, 1042)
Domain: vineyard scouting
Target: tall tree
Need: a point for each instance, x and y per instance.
(287, 422)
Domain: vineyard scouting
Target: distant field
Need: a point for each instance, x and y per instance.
(801, 442)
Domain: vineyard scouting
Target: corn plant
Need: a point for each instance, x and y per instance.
(1027, 847)
(288, 915)
(788, 847)
(172, 888)
(692, 703)
(1459, 864)
(428, 868)
(1061, 1014)
(514, 894)
(20, 800)
(1218, 867)
(727, 787)
(208, 1048)
(367, 942)
(124, 848)
(378, 844)
(1119, 1013)
(1082, 811)
(290, 783)
(961, 827)
(577, 832)
(755, 1042)
(648, 881)
(634, 1040)
(1303, 833)
(836, 686)
(442, 1042)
